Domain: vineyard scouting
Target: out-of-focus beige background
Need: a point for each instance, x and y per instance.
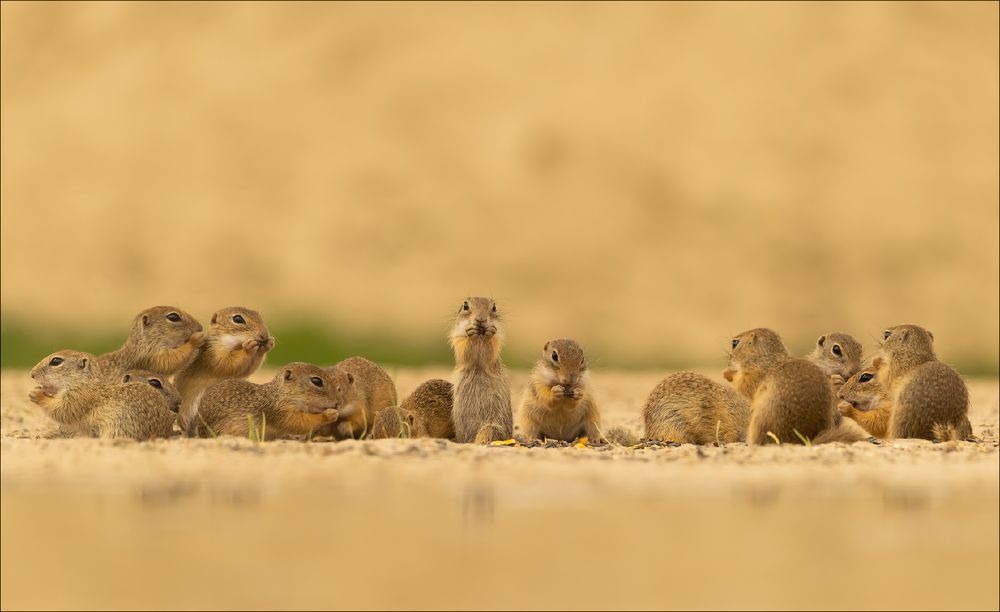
(647, 178)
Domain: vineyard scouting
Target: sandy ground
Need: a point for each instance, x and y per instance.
(430, 524)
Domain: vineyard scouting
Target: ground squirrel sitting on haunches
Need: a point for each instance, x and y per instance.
(688, 407)
(235, 346)
(370, 389)
(299, 400)
(867, 402)
(74, 391)
(163, 340)
(838, 355)
(559, 401)
(790, 398)
(481, 411)
(425, 413)
(929, 399)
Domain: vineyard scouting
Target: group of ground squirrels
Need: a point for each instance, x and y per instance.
(904, 392)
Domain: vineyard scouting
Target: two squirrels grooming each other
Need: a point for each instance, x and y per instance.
(908, 393)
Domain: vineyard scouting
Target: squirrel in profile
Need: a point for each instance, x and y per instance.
(369, 389)
(929, 398)
(482, 412)
(85, 401)
(559, 401)
(163, 340)
(791, 399)
(425, 413)
(299, 400)
(235, 347)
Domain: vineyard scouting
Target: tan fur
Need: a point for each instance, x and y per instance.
(838, 355)
(370, 390)
(231, 350)
(85, 401)
(425, 413)
(482, 411)
(156, 344)
(691, 408)
(290, 404)
(867, 403)
(928, 396)
(559, 401)
(789, 397)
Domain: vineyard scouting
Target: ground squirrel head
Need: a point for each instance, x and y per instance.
(837, 353)
(165, 338)
(909, 344)
(237, 341)
(477, 324)
(160, 383)
(562, 363)
(862, 390)
(61, 371)
(395, 422)
(309, 388)
(751, 355)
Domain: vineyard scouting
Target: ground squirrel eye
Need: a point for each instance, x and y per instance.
(886, 334)
(155, 383)
(865, 377)
(555, 356)
(465, 306)
(836, 350)
(55, 361)
(173, 317)
(239, 319)
(735, 342)
(316, 380)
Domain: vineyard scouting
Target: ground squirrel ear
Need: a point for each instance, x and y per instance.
(145, 320)
(83, 364)
(288, 374)
(903, 334)
(215, 317)
(545, 349)
(930, 335)
(821, 340)
(350, 378)
(127, 378)
(877, 363)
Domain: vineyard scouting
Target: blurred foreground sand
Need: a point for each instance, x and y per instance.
(430, 524)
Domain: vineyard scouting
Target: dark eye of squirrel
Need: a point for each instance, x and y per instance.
(239, 319)
(555, 356)
(173, 317)
(465, 306)
(154, 382)
(886, 334)
(316, 380)
(865, 377)
(836, 350)
(55, 361)
(735, 342)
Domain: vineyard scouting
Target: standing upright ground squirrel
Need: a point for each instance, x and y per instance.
(425, 413)
(163, 340)
(790, 398)
(692, 408)
(929, 398)
(482, 411)
(85, 401)
(559, 401)
(867, 402)
(235, 346)
(370, 389)
(299, 400)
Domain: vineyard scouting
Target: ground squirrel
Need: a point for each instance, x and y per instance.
(369, 389)
(929, 398)
(74, 391)
(300, 399)
(867, 402)
(789, 397)
(163, 340)
(235, 346)
(559, 401)
(688, 407)
(160, 383)
(482, 411)
(838, 355)
(425, 413)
